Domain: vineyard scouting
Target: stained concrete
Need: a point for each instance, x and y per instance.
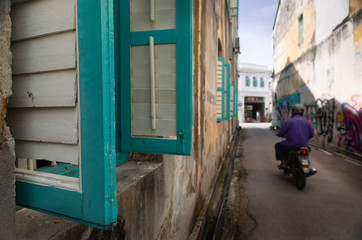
(7, 153)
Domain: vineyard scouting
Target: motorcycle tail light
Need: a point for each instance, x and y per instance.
(304, 152)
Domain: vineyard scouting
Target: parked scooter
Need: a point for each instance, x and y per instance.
(298, 166)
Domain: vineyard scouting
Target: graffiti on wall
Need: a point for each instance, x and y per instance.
(310, 113)
(325, 117)
(339, 122)
(349, 125)
(284, 106)
(321, 115)
(355, 101)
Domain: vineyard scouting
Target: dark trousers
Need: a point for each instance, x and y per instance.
(280, 151)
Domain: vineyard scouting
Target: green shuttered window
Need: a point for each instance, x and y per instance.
(223, 90)
(156, 76)
(233, 100)
(247, 81)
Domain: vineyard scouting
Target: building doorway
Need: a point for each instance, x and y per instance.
(254, 109)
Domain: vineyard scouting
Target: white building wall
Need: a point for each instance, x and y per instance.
(257, 71)
(327, 18)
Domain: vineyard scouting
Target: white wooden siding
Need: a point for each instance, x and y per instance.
(50, 53)
(56, 125)
(42, 17)
(52, 89)
(43, 111)
(165, 72)
(165, 15)
(218, 93)
(66, 153)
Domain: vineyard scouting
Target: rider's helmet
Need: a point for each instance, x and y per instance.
(297, 109)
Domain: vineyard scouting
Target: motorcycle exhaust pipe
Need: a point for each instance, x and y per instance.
(312, 172)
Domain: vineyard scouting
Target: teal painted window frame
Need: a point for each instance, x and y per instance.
(255, 82)
(237, 11)
(182, 36)
(222, 90)
(96, 203)
(247, 81)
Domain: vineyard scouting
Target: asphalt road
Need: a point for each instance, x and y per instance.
(329, 207)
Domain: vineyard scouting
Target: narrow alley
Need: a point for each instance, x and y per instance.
(329, 207)
(156, 119)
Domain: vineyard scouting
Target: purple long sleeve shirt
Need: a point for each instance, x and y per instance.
(297, 131)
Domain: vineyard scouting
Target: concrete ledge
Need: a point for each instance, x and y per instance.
(133, 183)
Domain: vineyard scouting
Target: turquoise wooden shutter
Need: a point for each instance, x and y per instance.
(155, 55)
(227, 92)
(220, 89)
(223, 90)
(232, 99)
(91, 198)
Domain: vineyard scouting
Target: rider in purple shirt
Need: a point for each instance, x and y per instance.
(297, 130)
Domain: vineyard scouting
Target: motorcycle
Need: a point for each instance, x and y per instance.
(298, 166)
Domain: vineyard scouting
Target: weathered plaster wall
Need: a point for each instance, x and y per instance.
(287, 48)
(327, 74)
(327, 18)
(217, 26)
(7, 151)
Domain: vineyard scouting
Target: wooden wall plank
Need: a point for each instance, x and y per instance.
(65, 153)
(43, 17)
(57, 125)
(43, 113)
(51, 53)
(52, 89)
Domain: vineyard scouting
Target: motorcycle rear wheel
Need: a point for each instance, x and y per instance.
(299, 176)
(300, 181)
